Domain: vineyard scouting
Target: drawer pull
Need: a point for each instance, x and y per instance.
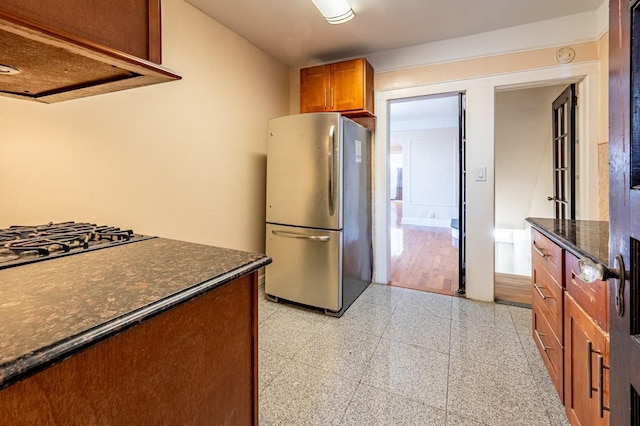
(601, 367)
(539, 337)
(321, 238)
(539, 290)
(540, 252)
(589, 352)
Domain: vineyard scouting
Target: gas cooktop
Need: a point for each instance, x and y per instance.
(27, 244)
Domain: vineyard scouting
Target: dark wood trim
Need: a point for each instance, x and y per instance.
(254, 326)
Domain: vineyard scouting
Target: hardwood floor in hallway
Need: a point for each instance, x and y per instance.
(426, 258)
(422, 257)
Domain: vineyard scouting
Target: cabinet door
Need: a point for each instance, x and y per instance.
(314, 89)
(347, 86)
(586, 368)
(130, 26)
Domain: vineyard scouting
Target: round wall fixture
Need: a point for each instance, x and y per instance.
(564, 55)
(7, 70)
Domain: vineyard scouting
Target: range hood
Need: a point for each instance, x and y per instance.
(47, 65)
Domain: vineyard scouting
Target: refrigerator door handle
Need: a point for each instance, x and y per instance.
(320, 238)
(331, 184)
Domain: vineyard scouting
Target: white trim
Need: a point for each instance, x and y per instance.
(571, 29)
(480, 98)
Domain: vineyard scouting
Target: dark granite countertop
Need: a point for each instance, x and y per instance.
(583, 238)
(52, 309)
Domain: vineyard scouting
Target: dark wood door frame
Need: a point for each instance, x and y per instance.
(564, 154)
(624, 205)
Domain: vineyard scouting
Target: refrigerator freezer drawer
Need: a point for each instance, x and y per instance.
(307, 266)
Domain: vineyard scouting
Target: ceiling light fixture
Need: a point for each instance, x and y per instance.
(335, 11)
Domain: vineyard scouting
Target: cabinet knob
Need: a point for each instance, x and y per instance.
(590, 271)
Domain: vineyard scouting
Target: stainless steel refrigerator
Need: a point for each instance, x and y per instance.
(318, 210)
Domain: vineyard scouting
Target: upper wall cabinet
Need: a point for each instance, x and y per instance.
(52, 51)
(345, 87)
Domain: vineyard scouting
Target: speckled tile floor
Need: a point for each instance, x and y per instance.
(403, 357)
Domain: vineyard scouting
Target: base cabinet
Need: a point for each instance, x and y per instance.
(547, 305)
(570, 329)
(195, 364)
(586, 359)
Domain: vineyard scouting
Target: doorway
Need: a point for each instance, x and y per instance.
(426, 163)
(534, 174)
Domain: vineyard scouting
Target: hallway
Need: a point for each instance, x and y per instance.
(422, 257)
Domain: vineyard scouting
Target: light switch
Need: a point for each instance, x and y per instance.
(481, 174)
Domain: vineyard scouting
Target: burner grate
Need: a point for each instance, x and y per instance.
(51, 238)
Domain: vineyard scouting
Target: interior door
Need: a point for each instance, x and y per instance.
(564, 154)
(624, 184)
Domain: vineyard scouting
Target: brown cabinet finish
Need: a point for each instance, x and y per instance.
(345, 87)
(547, 305)
(549, 346)
(314, 89)
(130, 26)
(547, 292)
(195, 363)
(546, 281)
(78, 49)
(586, 362)
(570, 329)
(592, 297)
(549, 254)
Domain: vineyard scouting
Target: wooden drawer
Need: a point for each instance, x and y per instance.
(592, 297)
(550, 348)
(548, 254)
(548, 294)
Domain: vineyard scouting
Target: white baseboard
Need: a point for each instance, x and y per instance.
(421, 221)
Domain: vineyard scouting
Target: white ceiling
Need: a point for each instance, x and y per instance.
(294, 32)
(424, 112)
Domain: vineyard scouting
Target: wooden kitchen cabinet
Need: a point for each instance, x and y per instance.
(586, 362)
(547, 305)
(592, 297)
(130, 26)
(570, 322)
(345, 87)
(61, 50)
(195, 363)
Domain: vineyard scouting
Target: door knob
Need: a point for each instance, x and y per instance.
(590, 271)
(550, 198)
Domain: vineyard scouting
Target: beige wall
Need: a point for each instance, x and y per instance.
(523, 155)
(186, 159)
